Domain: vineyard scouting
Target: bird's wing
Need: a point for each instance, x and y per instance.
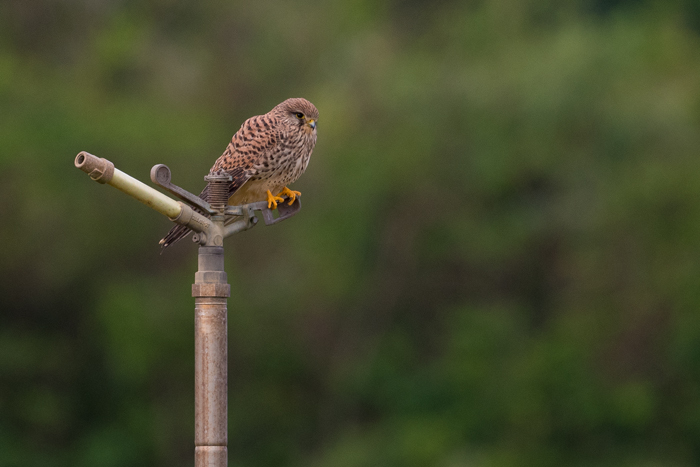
(249, 148)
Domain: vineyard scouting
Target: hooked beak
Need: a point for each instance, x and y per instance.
(312, 124)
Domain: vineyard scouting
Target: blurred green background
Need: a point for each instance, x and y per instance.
(496, 263)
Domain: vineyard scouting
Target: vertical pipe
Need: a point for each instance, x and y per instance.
(210, 290)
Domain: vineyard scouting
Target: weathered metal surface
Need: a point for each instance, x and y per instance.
(210, 456)
(211, 359)
(210, 368)
(211, 290)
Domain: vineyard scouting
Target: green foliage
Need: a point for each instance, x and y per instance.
(495, 264)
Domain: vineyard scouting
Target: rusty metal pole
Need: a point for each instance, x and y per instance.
(210, 290)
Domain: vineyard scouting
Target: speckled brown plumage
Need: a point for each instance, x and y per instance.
(267, 153)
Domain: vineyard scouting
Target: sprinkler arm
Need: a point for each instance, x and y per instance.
(103, 171)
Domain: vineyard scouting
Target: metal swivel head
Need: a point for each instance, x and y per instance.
(218, 189)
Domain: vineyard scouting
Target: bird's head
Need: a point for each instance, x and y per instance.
(300, 113)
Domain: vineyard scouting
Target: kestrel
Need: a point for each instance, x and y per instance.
(265, 155)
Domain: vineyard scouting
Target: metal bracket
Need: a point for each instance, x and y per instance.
(285, 211)
(161, 175)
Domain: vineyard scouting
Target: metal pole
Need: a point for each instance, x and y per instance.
(210, 290)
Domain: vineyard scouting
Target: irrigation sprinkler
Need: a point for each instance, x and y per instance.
(212, 220)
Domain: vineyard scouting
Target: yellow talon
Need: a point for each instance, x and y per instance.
(290, 193)
(273, 200)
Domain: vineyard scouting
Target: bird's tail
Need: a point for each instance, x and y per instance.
(175, 234)
(178, 232)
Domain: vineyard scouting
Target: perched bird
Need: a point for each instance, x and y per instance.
(268, 153)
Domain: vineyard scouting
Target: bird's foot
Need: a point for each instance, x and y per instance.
(273, 200)
(290, 193)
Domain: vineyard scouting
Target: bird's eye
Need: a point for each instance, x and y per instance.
(299, 115)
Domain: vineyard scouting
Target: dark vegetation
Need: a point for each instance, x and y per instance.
(497, 263)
